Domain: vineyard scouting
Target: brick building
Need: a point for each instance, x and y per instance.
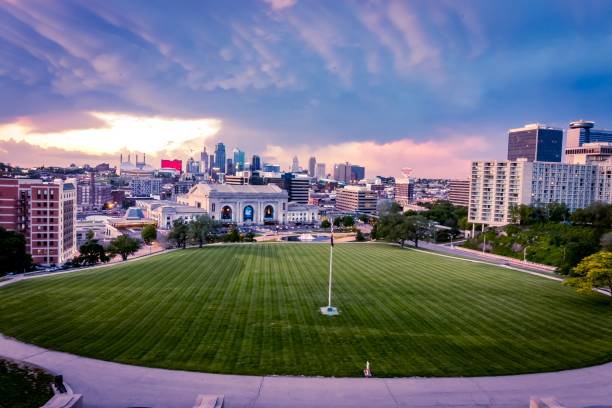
(45, 212)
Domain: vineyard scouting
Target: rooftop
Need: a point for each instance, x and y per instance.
(239, 189)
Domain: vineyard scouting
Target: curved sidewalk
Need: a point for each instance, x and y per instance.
(111, 385)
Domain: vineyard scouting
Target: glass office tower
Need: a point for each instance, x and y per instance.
(535, 142)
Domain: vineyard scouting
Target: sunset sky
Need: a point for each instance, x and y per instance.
(424, 84)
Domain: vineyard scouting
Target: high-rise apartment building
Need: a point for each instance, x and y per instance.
(239, 159)
(498, 186)
(404, 191)
(583, 131)
(220, 157)
(45, 213)
(297, 185)
(320, 172)
(535, 142)
(356, 199)
(459, 192)
(312, 162)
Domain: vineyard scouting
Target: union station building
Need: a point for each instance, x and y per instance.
(239, 204)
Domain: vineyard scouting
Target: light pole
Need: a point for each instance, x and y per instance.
(525, 254)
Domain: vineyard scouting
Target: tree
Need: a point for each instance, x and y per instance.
(388, 208)
(325, 224)
(91, 252)
(13, 255)
(557, 212)
(179, 233)
(418, 228)
(598, 215)
(232, 236)
(359, 237)
(463, 223)
(90, 235)
(123, 245)
(337, 221)
(592, 272)
(364, 218)
(606, 241)
(249, 237)
(348, 221)
(393, 228)
(202, 229)
(525, 214)
(149, 234)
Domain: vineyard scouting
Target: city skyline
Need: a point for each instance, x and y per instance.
(386, 85)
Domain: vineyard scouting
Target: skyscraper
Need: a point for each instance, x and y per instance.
(295, 166)
(229, 167)
(220, 157)
(239, 158)
(204, 160)
(312, 162)
(255, 163)
(582, 131)
(535, 142)
(357, 172)
(320, 173)
(342, 172)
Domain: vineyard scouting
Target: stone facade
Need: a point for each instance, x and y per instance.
(239, 204)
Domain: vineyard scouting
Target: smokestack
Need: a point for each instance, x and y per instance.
(136, 158)
(129, 157)
(121, 158)
(144, 158)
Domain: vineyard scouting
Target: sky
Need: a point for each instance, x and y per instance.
(429, 85)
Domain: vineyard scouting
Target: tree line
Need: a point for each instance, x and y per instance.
(92, 251)
(204, 230)
(550, 235)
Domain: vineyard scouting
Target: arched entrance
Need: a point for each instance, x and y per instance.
(226, 213)
(269, 213)
(247, 214)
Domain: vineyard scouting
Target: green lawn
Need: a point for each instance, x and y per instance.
(254, 309)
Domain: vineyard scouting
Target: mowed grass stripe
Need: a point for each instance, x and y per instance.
(253, 309)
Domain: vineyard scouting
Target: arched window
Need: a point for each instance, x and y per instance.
(269, 213)
(247, 213)
(226, 213)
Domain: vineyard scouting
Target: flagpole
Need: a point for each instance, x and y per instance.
(331, 255)
(329, 310)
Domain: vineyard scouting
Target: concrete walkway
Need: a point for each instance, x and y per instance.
(112, 385)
